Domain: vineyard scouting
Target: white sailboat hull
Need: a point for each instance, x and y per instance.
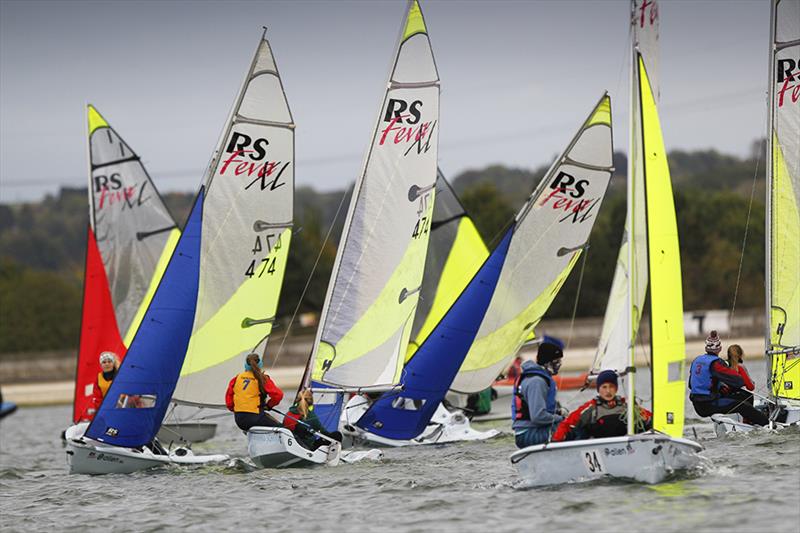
(278, 448)
(734, 423)
(86, 456)
(445, 427)
(647, 458)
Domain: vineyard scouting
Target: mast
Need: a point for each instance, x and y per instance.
(630, 372)
(768, 201)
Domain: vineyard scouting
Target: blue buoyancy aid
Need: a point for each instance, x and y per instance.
(519, 407)
(701, 382)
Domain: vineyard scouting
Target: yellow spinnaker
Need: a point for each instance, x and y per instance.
(668, 346)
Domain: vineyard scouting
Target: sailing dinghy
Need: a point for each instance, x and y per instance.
(130, 239)
(653, 254)
(120, 437)
(373, 293)
(782, 233)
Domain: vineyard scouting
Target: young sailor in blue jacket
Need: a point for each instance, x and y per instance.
(534, 409)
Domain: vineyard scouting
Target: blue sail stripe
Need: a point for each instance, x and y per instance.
(154, 359)
(433, 367)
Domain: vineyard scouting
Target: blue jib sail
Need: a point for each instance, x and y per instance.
(133, 408)
(430, 371)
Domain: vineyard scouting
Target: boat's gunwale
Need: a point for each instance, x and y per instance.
(519, 455)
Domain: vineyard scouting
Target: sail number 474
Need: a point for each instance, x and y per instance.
(593, 462)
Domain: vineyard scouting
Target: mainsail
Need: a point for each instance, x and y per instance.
(374, 289)
(783, 202)
(505, 300)
(130, 240)
(455, 252)
(247, 220)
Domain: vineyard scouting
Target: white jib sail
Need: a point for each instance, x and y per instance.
(624, 309)
(247, 220)
(548, 236)
(372, 297)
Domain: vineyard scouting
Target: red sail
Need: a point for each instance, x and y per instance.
(99, 331)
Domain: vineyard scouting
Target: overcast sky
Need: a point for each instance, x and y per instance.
(517, 80)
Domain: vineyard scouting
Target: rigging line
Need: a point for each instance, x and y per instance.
(744, 242)
(310, 277)
(577, 295)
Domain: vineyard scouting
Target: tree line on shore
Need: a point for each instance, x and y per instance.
(42, 244)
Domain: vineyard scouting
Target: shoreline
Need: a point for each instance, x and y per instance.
(576, 360)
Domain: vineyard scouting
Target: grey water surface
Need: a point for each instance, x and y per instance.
(748, 482)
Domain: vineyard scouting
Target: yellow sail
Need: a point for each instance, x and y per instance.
(783, 198)
(668, 348)
(785, 283)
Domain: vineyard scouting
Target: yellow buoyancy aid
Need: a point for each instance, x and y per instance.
(246, 396)
(103, 383)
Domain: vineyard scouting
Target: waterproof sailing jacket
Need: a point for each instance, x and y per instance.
(708, 374)
(598, 418)
(243, 395)
(535, 392)
(748, 383)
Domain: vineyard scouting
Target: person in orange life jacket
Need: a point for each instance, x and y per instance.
(302, 410)
(109, 367)
(249, 393)
(603, 416)
(716, 388)
(535, 413)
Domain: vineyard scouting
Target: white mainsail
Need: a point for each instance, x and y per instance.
(247, 220)
(629, 288)
(783, 202)
(548, 237)
(374, 289)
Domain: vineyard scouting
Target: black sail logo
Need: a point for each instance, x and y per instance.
(248, 156)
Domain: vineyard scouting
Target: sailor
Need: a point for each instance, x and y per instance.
(603, 416)
(735, 360)
(534, 410)
(109, 367)
(249, 393)
(302, 410)
(716, 388)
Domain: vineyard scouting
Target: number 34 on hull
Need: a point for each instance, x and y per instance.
(646, 457)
